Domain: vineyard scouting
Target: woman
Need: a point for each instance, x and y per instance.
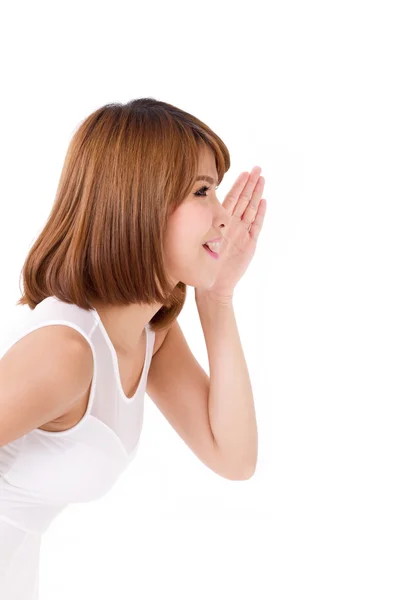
(132, 224)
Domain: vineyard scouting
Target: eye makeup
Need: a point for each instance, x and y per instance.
(203, 189)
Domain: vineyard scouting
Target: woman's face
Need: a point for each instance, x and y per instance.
(199, 218)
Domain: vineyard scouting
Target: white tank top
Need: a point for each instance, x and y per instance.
(43, 471)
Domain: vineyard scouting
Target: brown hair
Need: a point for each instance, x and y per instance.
(128, 166)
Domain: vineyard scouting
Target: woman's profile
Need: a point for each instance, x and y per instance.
(135, 221)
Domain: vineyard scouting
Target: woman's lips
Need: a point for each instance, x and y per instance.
(210, 252)
(217, 239)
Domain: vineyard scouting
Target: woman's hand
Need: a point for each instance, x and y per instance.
(247, 210)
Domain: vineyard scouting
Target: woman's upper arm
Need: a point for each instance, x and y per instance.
(41, 376)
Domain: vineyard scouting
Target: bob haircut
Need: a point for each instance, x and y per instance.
(127, 167)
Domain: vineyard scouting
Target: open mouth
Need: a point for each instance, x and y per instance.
(210, 252)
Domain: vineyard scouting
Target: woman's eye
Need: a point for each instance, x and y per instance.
(204, 189)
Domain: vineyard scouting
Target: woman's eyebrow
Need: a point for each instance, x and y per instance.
(206, 178)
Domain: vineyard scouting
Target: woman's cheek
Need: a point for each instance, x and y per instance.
(203, 218)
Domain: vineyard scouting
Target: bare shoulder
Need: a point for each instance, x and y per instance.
(48, 355)
(49, 336)
(42, 376)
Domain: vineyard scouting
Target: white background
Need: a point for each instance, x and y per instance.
(309, 91)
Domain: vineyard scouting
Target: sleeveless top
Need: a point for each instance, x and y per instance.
(43, 471)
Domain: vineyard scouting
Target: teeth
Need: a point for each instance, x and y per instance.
(214, 246)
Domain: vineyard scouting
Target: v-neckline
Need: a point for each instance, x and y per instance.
(114, 355)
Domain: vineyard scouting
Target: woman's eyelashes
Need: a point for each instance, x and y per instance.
(203, 189)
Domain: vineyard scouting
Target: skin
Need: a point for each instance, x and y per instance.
(196, 220)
